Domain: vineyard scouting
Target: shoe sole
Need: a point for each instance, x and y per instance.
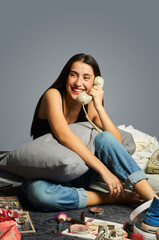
(148, 228)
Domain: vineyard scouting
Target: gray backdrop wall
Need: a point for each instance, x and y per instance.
(37, 37)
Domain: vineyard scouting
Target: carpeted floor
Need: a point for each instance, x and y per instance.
(46, 230)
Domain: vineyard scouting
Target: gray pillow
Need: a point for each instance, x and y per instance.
(46, 158)
(128, 141)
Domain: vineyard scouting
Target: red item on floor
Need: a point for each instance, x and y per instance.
(136, 236)
(8, 228)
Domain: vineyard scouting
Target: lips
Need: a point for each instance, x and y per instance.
(77, 90)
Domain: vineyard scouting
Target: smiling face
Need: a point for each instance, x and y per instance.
(80, 79)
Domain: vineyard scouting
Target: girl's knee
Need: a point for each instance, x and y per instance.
(105, 138)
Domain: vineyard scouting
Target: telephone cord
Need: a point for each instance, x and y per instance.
(89, 120)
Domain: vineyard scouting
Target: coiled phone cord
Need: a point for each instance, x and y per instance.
(89, 120)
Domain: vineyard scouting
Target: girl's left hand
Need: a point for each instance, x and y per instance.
(113, 183)
(97, 93)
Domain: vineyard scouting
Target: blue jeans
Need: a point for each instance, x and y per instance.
(50, 196)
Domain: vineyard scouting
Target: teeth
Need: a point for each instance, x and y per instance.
(77, 90)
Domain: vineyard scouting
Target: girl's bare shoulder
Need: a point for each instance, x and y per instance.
(51, 92)
(52, 95)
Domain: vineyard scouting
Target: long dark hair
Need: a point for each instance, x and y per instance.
(60, 82)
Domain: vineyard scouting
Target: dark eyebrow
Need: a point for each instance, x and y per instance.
(85, 74)
(73, 71)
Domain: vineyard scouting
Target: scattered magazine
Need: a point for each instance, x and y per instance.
(11, 202)
(24, 223)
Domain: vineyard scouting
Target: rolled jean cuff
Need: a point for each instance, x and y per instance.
(82, 196)
(134, 178)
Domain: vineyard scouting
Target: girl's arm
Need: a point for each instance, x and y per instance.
(52, 110)
(99, 116)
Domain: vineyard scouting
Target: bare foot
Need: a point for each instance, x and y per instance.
(130, 197)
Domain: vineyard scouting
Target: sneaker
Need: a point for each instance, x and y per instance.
(157, 234)
(151, 220)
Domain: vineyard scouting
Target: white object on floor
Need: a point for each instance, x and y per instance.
(145, 145)
(94, 223)
(136, 218)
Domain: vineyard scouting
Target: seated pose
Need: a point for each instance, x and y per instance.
(57, 108)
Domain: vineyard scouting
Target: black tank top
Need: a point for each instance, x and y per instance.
(43, 126)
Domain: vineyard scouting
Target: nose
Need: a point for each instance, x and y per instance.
(78, 81)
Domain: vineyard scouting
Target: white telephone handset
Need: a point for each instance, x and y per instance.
(84, 98)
